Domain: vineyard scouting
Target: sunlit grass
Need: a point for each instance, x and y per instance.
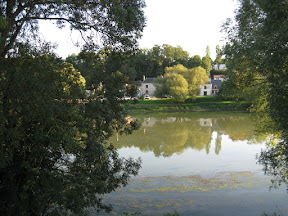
(201, 103)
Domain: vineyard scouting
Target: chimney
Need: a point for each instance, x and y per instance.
(144, 77)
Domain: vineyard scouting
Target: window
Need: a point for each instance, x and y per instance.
(205, 87)
(146, 86)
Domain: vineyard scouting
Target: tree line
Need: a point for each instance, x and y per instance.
(143, 62)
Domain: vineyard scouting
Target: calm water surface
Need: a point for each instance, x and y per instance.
(196, 164)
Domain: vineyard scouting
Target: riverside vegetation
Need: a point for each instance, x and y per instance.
(202, 103)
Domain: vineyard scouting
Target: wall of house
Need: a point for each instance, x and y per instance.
(147, 89)
(206, 90)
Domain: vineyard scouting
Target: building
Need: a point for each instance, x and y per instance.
(216, 84)
(213, 86)
(219, 77)
(219, 67)
(206, 90)
(147, 87)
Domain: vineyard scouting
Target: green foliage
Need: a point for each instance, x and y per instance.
(207, 64)
(161, 88)
(174, 214)
(117, 23)
(195, 61)
(54, 155)
(178, 86)
(210, 103)
(219, 54)
(96, 65)
(257, 57)
(131, 90)
(152, 62)
(194, 76)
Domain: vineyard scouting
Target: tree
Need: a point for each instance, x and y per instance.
(259, 40)
(207, 62)
(178, 86)
(194, 77)
(119, 23)
(263, 52)
(219, 55)
(54, 155)
(94, 66)
(195, 61)
(161, 88)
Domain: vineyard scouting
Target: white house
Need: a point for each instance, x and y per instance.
(212, 87)
(220, 77)
(206, 90)
(147, 87)
(219, 67)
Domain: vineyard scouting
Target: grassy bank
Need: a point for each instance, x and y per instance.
(206, 103)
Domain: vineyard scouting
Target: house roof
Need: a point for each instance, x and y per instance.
(219, 76)
(149, 80)
(218, 83)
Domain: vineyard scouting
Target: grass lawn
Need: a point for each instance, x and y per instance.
(205, 103)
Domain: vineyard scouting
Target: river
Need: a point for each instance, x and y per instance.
(196, 164)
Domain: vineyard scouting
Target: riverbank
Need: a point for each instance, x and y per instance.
(206, 103)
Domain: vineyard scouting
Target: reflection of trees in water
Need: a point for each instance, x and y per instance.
(218, 143)
(166, 136)
(275, 162)
(237, 127)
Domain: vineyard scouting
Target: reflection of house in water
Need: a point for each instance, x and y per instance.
(207, 122)
(149, 122)
(168, 120)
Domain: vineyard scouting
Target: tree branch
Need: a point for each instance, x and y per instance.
(12, 39)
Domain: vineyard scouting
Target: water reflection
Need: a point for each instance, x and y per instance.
(274, 160)
(165, 135)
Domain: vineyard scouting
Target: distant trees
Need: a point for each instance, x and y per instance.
(194, 61)
(145, 62)
(219, 54)
(179, 82)
(207, 62)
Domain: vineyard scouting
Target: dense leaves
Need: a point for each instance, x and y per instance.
(257, 59)
(179, 82)
(118, 23)
(54, 155)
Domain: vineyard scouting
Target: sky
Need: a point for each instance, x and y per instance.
(191, 24)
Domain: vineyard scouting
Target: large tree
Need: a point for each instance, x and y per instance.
(54, 154)
(257, 50)
(172, 84)
(258, 47)
(195, 77)
(117, 22)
